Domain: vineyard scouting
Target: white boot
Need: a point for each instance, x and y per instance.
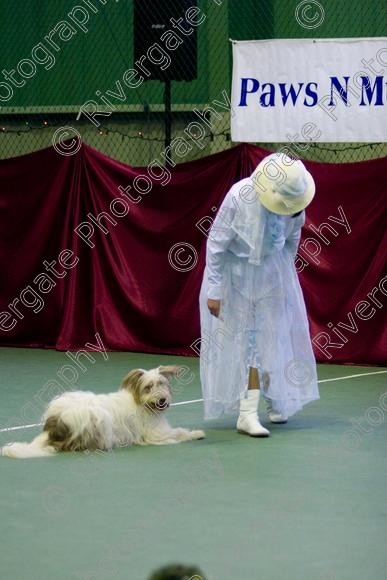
(248, 420)
(274, 416)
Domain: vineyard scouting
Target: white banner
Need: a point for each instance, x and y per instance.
(310, 90)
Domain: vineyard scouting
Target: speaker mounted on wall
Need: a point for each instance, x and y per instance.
(164, 42)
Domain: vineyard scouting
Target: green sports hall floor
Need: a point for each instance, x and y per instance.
(307, 503)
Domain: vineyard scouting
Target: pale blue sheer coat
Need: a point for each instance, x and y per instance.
(263, 322)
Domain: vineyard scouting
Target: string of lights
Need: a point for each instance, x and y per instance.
(141, 136)
(104, 130)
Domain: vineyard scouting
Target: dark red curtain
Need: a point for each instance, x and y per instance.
(125, 287)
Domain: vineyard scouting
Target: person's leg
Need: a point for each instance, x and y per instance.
(248, 421)
(254, 384)
(273, 415)
(253, 379)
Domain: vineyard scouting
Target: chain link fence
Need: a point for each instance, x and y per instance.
(74, 64)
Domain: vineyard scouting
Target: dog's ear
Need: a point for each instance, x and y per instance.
(168, 371)
(132, 383)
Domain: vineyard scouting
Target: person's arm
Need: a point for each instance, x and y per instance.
(293, 239)
(219, 239)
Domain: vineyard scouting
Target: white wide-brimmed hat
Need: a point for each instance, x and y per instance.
(284, 185)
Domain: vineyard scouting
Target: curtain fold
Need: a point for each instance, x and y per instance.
(135, 279)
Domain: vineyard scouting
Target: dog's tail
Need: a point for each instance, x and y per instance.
(37, 448)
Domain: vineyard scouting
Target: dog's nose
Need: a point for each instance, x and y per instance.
(162, 402)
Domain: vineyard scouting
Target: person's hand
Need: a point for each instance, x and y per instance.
(214, 307)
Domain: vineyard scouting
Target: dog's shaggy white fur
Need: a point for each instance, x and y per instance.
(80, 421)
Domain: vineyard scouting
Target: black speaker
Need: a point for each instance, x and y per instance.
(174, 57)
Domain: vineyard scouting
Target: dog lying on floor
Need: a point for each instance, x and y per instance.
(81, 421)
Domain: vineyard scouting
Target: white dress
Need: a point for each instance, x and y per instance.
(263, 322)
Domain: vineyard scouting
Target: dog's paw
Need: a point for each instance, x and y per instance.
(198, 434)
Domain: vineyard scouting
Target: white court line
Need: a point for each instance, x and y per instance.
(351, 376)
(21, 427)
(321, 381)
(186, 402)
(200, 400)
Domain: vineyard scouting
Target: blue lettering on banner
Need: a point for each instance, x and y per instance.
(366, 86)
(245, 90)
(269, 94)
(342, 91)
